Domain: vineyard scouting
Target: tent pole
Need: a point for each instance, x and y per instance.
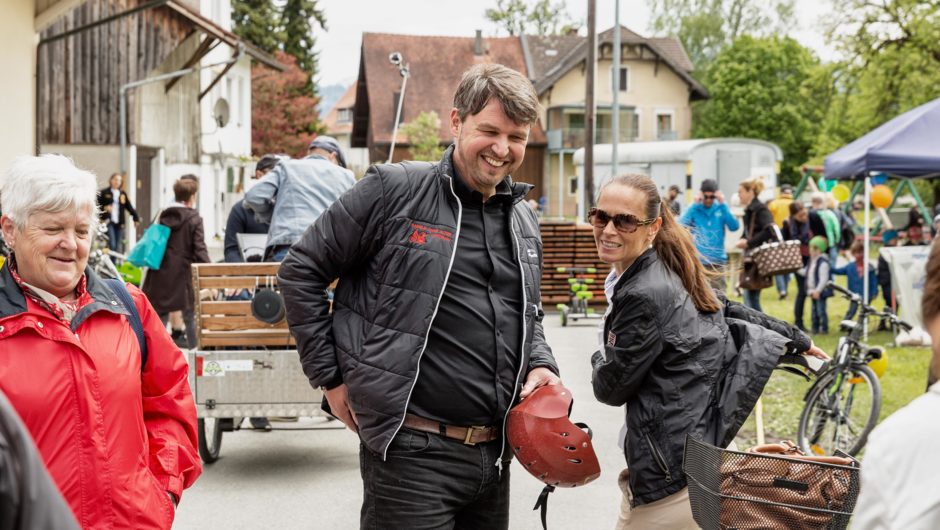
(866, 240)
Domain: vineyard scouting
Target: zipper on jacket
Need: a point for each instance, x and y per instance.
(658, 457)
(518, 249)
(433, 315)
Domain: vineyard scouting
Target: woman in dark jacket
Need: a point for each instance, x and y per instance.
(758, 228)
(682, 360)
(170, 288)
(796, 227)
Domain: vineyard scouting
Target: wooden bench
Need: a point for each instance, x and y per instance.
(230, 322)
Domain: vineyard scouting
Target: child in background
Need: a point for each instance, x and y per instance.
(888, 239)
(818, 274)
(856, 273)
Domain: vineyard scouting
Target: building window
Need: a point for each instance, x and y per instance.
(344, 116)
(624, 79)
(664, 126)
(572, 186)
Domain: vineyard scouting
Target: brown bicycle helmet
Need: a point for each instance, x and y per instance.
(546, 442)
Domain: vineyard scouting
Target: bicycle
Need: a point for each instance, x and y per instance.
(843, 404)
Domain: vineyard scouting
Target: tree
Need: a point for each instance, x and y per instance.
(891, 65)
(770, 88)
(296, 18)
(422, 133)
(705, 27)
(257, 21)
(283, 111)
(541, 18)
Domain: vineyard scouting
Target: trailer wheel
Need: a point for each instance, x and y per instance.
(210, 438)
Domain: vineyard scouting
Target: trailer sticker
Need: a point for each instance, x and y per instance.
(218, 368)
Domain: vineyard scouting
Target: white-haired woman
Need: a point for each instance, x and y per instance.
(115, 427)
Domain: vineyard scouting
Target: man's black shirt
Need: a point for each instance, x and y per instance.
(469, 368)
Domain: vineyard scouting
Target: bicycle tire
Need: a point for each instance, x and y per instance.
(817, 414)
(209, 439)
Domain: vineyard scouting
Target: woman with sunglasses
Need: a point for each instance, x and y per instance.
(681, 358)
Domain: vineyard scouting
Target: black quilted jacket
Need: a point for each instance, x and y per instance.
(681, 372)
(390, 240)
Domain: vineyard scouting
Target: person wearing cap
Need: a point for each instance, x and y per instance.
(240, 220)
(709, 218)
(818, 274)
(294, 194)
(673, 199)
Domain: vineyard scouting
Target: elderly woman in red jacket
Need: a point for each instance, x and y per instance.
(116, 433)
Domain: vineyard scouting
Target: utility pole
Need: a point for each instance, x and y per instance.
(589, 110)
(615, 106)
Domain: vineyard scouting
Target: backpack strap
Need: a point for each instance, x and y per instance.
(133, 317)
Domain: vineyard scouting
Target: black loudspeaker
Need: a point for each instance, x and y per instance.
(267, 306)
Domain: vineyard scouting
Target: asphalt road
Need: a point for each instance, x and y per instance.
(310, 479)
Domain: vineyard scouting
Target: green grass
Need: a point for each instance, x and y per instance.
(904, 380)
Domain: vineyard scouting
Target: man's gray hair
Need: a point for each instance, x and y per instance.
(483, 82)
(818, 197)
(47, 183)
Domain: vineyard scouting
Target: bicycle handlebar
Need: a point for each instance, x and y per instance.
(867, 309)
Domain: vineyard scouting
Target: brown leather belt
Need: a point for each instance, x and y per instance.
(468, 435)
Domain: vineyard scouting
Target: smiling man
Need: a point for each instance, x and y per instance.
(436, 326)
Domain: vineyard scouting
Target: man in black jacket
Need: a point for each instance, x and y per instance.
(436, 325)
(114, 206)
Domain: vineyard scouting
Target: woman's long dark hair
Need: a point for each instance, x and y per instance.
(673, 243)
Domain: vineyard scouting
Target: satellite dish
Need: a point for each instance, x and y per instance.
(220, 112)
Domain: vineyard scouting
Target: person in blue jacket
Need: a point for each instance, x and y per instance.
(708, 218)
(853, 272)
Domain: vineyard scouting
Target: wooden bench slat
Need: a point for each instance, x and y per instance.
(244, 338)
(204, 270)
(234, 282)
(227, 307)
(238, 323)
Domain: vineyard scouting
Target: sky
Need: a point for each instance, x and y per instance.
(348, 19)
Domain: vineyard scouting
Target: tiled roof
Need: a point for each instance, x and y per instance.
(346, 101)
(435, 65)
(672, 48)
(546, 52)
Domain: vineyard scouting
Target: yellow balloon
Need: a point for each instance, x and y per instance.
(841, 192)
(879, 366)
(881, 196)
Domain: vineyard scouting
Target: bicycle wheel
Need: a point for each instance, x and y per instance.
(209, 433)
(841, 409)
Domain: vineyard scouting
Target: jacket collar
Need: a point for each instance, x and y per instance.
(646, 259)
(516, 191)
(13, 301)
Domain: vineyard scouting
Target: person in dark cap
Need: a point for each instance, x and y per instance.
(708, 218)
(294, 194)
(673, 199)
(328, 147)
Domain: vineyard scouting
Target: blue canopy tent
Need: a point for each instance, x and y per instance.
(906, 146)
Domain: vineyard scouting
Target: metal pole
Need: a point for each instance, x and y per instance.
(561, 183)
(615, 106)
(401, 99)
(162, 77)
(589, 112)
(866, 244)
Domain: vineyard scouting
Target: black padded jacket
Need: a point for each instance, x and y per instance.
(680, 371)
(391, 241)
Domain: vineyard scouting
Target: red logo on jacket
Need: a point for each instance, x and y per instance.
(418, 237)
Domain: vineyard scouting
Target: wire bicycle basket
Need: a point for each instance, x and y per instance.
(733, 490)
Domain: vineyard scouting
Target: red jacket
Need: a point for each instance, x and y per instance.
(115, 440)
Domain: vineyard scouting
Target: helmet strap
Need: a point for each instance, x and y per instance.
(543, 503)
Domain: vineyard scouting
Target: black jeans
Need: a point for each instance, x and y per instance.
(430, 482)
(799, 304)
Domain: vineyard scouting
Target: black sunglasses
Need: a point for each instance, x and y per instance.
(623, 222)
(709, 195)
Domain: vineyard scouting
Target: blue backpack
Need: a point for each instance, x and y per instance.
(133, 317)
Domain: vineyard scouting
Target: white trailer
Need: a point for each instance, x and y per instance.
(686, 163)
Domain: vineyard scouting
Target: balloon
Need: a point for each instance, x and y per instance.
(879, 366)
(841, 192)
(881, 196)
(880, 178)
